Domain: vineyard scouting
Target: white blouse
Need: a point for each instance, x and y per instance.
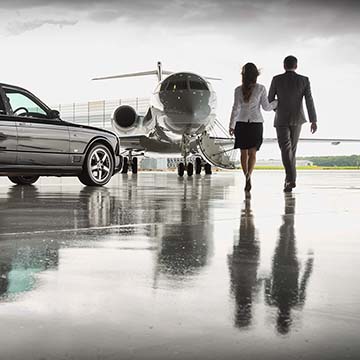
(250, 111)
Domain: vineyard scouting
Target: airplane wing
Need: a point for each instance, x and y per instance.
(230, 140)
(143, 73)
(332, 141)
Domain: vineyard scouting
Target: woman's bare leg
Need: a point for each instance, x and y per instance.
(252, 160)
(245, 161)
(251, 165)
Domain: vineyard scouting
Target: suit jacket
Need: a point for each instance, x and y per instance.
(290, 88)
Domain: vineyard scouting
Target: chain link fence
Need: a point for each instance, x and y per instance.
(98, 113)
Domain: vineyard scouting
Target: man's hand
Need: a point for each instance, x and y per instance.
(231, 131)
(313, 127)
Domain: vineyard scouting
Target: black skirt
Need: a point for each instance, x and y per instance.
(248, 135)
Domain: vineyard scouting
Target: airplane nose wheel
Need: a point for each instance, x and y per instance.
(181, 169)
(190, 169)
(198, 166)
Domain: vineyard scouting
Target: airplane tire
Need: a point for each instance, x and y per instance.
(190, 169)
(181, 169)
(207, 168)
(23, 180)
(125, 166)
(197, 166)
(134, 165)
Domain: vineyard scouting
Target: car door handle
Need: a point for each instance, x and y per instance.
(24, 124)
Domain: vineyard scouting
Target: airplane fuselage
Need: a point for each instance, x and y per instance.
(184, 104)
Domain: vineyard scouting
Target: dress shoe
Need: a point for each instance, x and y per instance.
(288, 187)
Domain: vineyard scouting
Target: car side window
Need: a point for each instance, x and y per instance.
(22, 105)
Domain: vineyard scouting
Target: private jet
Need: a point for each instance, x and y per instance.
(181, 119)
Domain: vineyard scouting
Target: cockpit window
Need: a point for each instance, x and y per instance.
(176, 85)
(198, 85)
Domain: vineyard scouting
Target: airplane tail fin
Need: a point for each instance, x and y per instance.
(159, 72)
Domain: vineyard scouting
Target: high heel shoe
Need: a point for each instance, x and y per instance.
(248, 183)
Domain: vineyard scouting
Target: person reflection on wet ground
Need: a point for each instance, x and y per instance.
(283, 289)
(186, 244)
(243, 266)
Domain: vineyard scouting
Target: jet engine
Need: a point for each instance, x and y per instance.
(125, 119)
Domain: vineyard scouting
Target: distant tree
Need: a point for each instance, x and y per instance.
(352, 160)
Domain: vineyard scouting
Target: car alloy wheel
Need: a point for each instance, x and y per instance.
(99, 166)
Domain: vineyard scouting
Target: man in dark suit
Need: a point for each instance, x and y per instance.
(290, 88)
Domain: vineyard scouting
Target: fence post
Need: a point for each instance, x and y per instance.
(88, 112)
(104, 114)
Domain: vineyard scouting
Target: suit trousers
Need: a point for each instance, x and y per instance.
(288, 137)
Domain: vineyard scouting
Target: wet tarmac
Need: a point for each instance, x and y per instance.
(156, 267)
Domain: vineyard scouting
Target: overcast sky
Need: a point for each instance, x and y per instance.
(55, 47)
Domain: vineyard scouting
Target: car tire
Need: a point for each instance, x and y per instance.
(23, 180)
(98, 167)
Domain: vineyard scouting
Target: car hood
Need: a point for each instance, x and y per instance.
(90, 128)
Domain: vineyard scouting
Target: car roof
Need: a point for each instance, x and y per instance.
(14, 86)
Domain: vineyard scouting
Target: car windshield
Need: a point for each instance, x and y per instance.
(22, 105)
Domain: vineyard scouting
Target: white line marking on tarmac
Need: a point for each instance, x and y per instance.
(80, 229)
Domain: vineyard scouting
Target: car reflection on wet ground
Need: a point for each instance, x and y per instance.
(156, 267)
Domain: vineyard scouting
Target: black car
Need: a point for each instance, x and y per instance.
(35, 142)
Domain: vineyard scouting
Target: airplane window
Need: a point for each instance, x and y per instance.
(177, 85)
(198, 85)
(164, 85)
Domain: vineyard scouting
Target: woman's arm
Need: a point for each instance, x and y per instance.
(266, 105)
(235, 110)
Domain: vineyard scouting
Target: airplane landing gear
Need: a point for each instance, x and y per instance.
(125, 166)
(198, 166)
(130, 161)
(134, 165)
(207, 168)
(181, 169)
(190, 169)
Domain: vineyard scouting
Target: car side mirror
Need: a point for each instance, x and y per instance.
(54, 114)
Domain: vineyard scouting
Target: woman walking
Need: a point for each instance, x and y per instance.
(246, 121)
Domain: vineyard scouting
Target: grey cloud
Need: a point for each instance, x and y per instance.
(308, 18)
(19, 27)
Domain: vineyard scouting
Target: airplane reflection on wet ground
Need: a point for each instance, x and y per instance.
(153, 266)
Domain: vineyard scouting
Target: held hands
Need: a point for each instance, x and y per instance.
(231, 131)
(313, 127)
